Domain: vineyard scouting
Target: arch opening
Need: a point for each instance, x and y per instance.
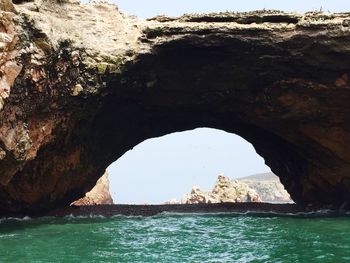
(165, 168)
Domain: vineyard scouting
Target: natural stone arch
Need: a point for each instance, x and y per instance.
(278, 80)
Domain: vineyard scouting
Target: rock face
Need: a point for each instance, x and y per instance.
(268, 187)
(256, 188)
(82, 84)
(99, 195)
(234, 191)
(225, 190)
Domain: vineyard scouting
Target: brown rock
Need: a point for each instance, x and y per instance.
(6, 5)
(277, 79)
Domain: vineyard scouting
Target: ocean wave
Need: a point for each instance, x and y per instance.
(251, 213)
(25, 218)
(72, 216)
(317, 213)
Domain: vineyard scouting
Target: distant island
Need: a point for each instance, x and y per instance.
(255, 188)
(265, 187)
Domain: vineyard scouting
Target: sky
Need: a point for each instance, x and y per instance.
(164, 168)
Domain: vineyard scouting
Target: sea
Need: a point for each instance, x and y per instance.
(177, 238)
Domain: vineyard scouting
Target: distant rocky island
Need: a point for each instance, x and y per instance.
(264, 187)
(268, 186)
(256, 188)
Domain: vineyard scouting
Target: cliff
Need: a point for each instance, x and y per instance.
(81, 84)
(99, 195)
(268, 187)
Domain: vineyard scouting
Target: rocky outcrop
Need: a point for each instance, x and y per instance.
(99, 195)
(233, 191)
(82, 84)
(268, 187)
(224, 191)
(256, 188)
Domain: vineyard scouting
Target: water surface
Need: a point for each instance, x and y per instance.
(176, 238)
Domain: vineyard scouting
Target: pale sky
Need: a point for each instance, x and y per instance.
(163, 168)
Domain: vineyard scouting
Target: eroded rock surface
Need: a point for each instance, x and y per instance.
(82, 84)
(224, 191)
(268, 187)
(256, 188)
(99, 195)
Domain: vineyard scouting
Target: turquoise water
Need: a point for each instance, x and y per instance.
(176, 238)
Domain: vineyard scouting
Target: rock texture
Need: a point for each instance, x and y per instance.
(82, 84)
(268, 187)
(224, 191)
(99, 195)
(256, 188)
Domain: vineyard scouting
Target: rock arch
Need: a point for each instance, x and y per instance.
(79, 92)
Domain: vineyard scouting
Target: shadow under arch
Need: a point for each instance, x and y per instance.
(187, 83)
(283, 159)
